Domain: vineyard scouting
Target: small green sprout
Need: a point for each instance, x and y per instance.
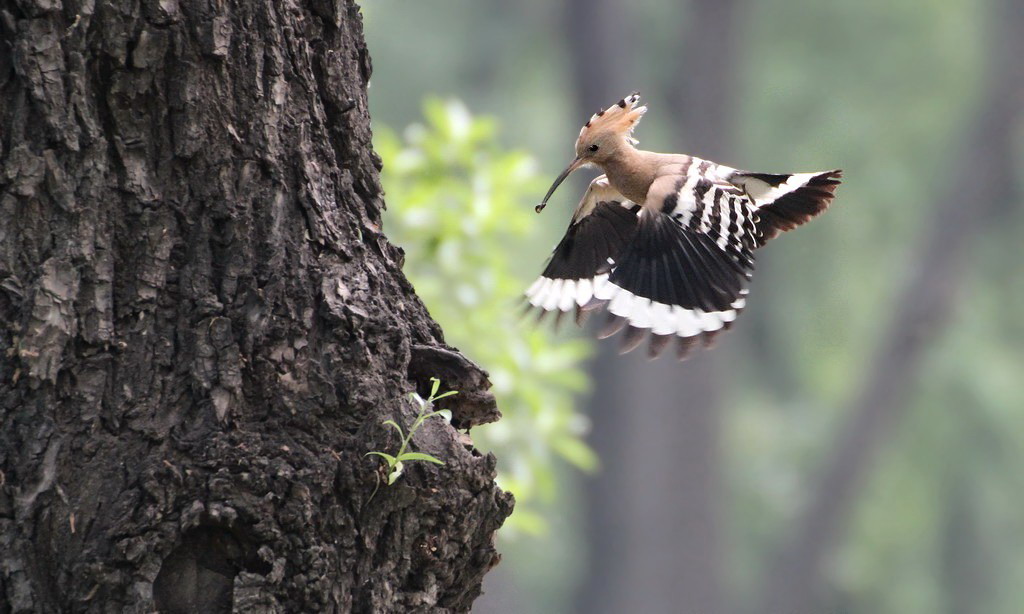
(395, 466)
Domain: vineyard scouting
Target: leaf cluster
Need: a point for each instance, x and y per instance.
(462, 209)
(395, 462)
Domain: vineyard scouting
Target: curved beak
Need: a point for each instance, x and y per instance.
(575, 164)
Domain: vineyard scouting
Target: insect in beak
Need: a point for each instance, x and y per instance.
(575, 164)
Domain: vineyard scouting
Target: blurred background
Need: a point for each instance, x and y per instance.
(856, 443)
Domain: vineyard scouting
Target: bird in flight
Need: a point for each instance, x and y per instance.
(664, 242)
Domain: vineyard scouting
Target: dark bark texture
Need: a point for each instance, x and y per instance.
(202, 326)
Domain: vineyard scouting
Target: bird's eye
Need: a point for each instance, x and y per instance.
(593, 148)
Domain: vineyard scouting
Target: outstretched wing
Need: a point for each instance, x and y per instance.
(602, 225)
(675, 281)
(685, 273)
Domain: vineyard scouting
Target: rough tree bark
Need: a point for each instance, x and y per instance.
(203, 326)
(979, 190)
(655, 511)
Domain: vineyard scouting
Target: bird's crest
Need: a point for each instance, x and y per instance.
(619, 119)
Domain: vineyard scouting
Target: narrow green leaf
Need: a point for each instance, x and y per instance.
(446, 394)
(390, 459)
(397, 428)
(434, 387)
(420, 456)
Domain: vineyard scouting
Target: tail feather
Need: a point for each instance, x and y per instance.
(787, 201)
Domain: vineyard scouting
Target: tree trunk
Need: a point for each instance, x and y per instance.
(964, 561)
(979, 190)
(203, 326)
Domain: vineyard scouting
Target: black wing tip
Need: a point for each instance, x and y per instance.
(540, 316)
(581, 315)
(658, 345)
(828, 178)
(632, 338)
(612, 325)
(684, 347)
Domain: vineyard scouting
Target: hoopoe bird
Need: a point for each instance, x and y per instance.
(664, 242)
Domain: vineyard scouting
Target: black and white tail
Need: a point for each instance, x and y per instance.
(783, 202)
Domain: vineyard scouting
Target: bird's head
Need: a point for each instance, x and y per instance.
(602, 138)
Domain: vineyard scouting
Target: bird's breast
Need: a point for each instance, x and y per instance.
(631, 183)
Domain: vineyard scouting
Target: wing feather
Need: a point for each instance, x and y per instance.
(602, 225)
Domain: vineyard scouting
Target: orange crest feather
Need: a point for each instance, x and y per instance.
(619, 119)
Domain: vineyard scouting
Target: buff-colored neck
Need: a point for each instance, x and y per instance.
(631, 171)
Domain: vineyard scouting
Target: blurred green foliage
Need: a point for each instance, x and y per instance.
(461, 207)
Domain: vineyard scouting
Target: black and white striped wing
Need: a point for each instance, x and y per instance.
(685, 274)
(603, 224)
